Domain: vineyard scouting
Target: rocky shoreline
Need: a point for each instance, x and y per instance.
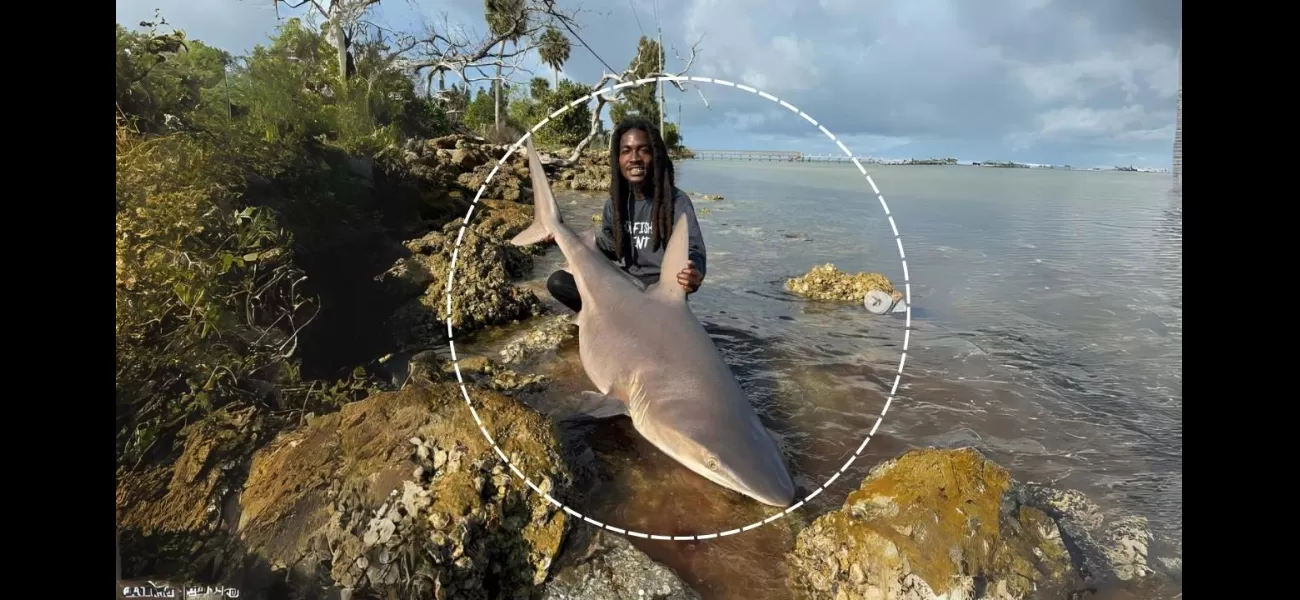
(400, 495)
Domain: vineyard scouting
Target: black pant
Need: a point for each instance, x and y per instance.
(562, 287)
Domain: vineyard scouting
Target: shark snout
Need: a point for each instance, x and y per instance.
(763, 478)
(779, 493)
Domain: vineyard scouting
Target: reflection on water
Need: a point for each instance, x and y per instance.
(1047, 334)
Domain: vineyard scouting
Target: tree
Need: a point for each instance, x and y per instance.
(643, 66)
(342, 18)
(479, 112)
(161, 77)
(531, 107)
(672, 136)
(445, 50)
(539, 89)
(508, 21)
(554, 52)
(646, 63)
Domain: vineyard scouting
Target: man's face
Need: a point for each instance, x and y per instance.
(635, 156)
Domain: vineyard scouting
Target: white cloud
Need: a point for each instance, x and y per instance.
(991, 77)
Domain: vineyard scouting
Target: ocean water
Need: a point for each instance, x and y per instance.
(1046, 331)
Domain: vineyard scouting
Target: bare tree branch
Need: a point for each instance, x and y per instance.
(452, 52)
(623, 81)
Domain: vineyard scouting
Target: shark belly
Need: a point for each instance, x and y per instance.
(612, 338)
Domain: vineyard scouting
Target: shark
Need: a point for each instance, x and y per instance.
(650, 359)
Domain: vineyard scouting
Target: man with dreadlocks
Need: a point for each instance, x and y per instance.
(643, 204)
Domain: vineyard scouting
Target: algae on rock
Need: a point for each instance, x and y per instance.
(401, 494)
(929, 523)
(826, 282)
(937, 523)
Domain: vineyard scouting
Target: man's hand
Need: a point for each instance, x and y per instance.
(689, 278)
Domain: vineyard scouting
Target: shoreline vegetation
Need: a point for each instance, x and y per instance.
(286, 425)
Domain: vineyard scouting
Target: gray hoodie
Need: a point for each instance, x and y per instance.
(644, 261)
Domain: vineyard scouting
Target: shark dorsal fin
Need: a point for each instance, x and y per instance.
(676, 255)
(545, 208)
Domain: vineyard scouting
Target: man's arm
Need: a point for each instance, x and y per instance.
(697, 252)
(605, 235)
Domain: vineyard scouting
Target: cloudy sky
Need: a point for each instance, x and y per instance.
(1082, 82)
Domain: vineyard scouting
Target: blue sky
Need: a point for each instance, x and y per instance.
(1087, 83)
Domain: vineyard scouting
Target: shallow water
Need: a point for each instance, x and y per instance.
(1046, 331)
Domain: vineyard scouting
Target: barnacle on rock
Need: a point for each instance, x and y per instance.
(826, 282)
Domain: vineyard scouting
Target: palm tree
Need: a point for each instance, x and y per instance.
(507, 18)
(554, 50)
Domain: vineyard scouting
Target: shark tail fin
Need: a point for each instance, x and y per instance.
(676, 255)
(546, 213)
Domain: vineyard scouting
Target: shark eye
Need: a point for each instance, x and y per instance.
(711, 463)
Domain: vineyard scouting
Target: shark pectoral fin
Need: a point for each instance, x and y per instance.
(675, 258)
(586, 405)
(535, 233)
(600, 406)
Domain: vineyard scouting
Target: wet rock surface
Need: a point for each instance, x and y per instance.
(1104, 550)
(485, 373)
(540, 341)
(599, 565)
(948, 523)
(827, 282)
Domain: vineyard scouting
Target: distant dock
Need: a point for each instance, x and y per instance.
(768, 155)
(801, 157)
(778, 156)
(791, 156)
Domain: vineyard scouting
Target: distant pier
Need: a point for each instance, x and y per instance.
(771, 155)
(1178, 130)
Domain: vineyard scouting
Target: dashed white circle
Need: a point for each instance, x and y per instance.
(897, 376)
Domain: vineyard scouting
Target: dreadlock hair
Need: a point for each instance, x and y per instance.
(660, 183)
